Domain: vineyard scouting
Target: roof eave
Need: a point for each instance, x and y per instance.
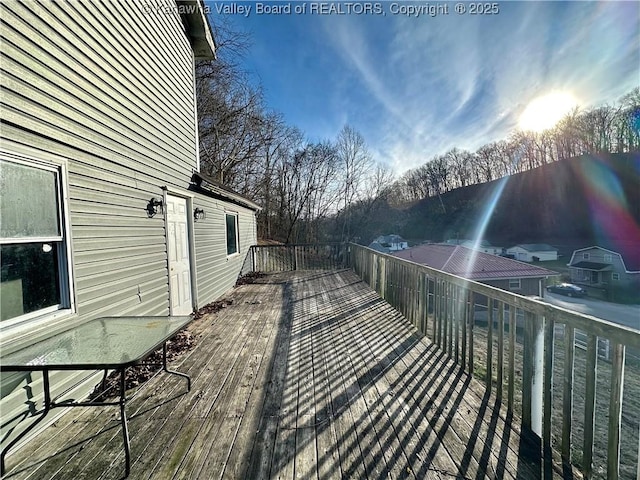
(198, 29)
(207, 185)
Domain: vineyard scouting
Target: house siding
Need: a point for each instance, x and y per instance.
(106, 88)
(527, 256)
(597, 255)
(211, 251)
(528, 286)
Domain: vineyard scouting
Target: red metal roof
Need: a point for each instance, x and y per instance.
(471, 264)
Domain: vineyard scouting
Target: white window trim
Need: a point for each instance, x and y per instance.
(586, 256)
(608, 257)
(237, 222)
(513, 287)
(67, 282)
(615, 276)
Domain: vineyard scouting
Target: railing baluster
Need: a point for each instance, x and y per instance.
(450, 318)
(615, 411)
(567, 393)
(457, 315)
(589, 405)
(472, 321)
(500, 374)
(465, 324)
(489, 365)
(512, 356)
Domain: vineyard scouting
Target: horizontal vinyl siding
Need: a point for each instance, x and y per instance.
(216, 272)
(108, 87)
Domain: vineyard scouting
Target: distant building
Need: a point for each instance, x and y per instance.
(389, 243)
(483, 246)
(533, 252)
(600, 267)
(500, 272)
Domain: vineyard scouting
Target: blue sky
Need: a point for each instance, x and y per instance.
(418, 86)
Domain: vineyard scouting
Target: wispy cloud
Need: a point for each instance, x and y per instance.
(416, 87)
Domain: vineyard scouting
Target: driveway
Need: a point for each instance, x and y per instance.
(628, 315)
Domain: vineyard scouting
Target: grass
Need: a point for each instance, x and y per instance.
(630, 408)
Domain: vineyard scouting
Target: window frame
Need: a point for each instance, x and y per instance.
(608, 258)
(586, 256)
(514, 280)
(615, 276)
(67, 302)
(235, 215)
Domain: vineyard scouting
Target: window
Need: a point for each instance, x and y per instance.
(585, 256)
(615, 276)
(34, 272)
(608, 258)
(232, 233)
(514, 284)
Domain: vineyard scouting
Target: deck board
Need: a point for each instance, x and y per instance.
(306, 375)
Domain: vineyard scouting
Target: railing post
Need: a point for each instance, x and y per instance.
(533, 373)
(253, 258)
(615, 411)
(548, 397)
(589, 405)
(567, 392)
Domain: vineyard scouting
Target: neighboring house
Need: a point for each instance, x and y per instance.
(483, 246)
(389, 243)
(103, 211)
(600, 267)
(504, 273)
(533, 252)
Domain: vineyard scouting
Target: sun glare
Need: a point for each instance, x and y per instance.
(545, 111)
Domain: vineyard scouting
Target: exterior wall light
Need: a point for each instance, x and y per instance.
(199, 214)
(153, 207)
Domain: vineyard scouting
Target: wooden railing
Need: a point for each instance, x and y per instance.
(547, 362)
(525, 350)
(283, 258)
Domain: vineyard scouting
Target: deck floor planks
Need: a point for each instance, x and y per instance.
(236, 464)
(322, 379)
(222, 442)
(371, 374)
(210, 419)
(166, 421)
(352, 463)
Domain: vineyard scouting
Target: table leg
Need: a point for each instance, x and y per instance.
(47, 407)
(123, 419)
(173, 372)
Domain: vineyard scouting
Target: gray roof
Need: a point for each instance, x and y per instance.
(378, 247)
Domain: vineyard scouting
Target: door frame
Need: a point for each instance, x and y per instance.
(190, 237)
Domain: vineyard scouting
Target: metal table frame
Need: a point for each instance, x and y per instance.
(121, 367)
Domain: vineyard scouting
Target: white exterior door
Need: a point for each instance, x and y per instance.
(178, 251)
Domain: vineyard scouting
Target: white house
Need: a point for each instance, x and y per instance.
(533, 252)
(483, 246)
(389, 243)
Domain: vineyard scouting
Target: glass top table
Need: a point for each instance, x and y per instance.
(107, 342)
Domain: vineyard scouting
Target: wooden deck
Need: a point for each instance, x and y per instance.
(306, 375)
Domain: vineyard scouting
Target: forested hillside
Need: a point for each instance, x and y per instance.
(581, 200)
